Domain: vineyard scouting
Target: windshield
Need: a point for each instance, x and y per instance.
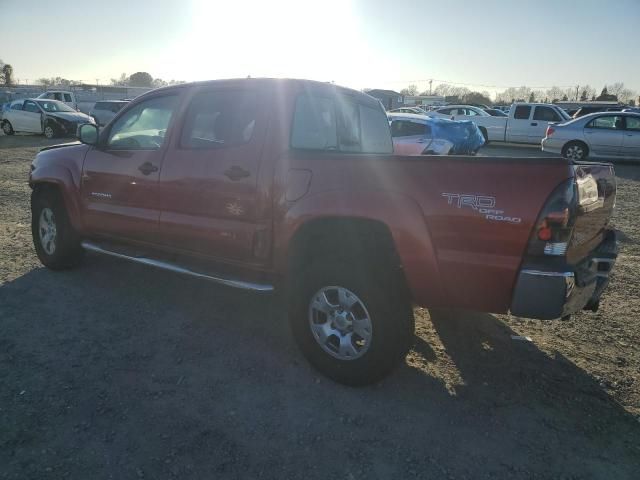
(54, 106)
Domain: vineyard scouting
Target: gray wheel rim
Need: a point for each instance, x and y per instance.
(575, 152)
(47, 231)
(6, 128)
(340, 323)
(48, 132)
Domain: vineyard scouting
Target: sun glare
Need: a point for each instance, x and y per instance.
(280, 38)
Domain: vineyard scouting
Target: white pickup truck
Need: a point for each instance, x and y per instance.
(526, 123)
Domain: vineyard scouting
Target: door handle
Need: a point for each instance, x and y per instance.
(147, 168)
(534, 124)
(236, 173)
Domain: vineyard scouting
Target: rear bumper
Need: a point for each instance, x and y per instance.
(552, 145)
(547, 294)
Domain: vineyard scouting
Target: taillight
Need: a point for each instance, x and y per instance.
(553, 229)
(550, 131)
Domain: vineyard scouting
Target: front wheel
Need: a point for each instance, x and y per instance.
(352, 326)
(49, 131)
(56, 242)
(7, 128)
(575, 151)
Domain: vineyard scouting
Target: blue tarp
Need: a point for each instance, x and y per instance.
(465, 136)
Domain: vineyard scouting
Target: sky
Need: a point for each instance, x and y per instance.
(489, 45)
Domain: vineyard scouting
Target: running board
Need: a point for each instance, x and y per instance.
(256, 287)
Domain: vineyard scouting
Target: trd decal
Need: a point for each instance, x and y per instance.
(483, 204)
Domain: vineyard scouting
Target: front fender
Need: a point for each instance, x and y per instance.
(402, 216)
(67, 183)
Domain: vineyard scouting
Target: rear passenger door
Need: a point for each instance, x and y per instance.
(542, 116)
(631, 141)
(519, 125)
(604, 134)
(211, 205)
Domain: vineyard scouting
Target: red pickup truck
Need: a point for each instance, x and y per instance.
(263, 183)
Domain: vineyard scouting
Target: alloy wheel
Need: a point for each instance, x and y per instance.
(47, 230)
(340, 323)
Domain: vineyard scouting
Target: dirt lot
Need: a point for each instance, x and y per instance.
(116, 371)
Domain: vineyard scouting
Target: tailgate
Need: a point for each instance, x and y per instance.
(596, 188)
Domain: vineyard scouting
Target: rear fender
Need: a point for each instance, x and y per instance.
(399, 213)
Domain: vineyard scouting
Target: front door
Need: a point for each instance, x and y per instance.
(409, 137)
(120, 177)
(631, 141)
(605, 134)
(519, 125)
(31, 117)
(210, 201)
(542, 116)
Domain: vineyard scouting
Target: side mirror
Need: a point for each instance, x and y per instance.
(88, 133)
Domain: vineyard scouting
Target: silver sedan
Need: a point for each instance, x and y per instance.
(604, 135)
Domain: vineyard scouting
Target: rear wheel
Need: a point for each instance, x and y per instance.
(56, 242)
(352, 326)
(7, 128)
(575, 151)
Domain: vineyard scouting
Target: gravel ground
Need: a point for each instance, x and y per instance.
(116, 371)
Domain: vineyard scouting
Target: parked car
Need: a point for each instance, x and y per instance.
(526, 123)
(62, 96)
(494, 112)
(104, 111)
(605, 135)
(632, 110)
(300, 191)
(582, 111)
(414, 110)
(423, 135)
(49, 117)
(3, 108)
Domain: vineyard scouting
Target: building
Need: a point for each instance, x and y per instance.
(427, 100)
(390, 99)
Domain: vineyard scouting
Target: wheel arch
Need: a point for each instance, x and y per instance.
(61, 183)
(388, 222)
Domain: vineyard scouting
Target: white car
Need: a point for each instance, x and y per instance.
(603, 135)
(36, 115)
(526, 122)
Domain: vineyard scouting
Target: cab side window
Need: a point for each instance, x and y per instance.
(67, 97)
(546, 114)
(144, 126)
(522, 113)
(220, 118)
(405, 128)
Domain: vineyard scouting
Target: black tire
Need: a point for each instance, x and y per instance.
(388, 306)
(50, 130)
(485, 135)
(7, 128)
(575, 150)
(65, 250)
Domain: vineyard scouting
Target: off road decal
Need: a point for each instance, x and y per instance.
(483, 204)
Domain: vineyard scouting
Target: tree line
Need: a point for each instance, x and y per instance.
(6, 74)
(616, 92)
(138, 79)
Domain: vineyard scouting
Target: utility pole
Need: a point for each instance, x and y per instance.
(577, 88)
(430, 82)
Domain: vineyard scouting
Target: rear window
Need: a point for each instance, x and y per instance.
(101, 106)
(522, 113)
(340, 122)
